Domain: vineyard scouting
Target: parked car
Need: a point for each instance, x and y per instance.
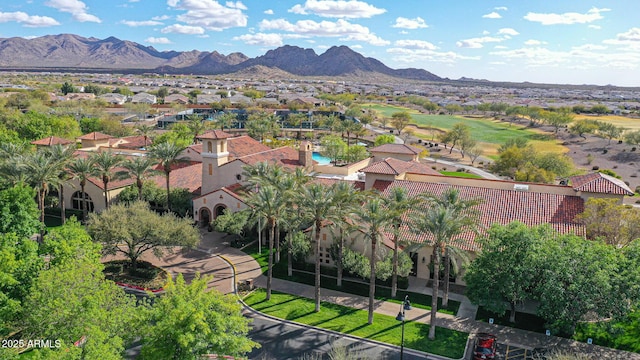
(485, 347)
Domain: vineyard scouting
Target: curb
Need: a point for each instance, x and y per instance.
(419, 353)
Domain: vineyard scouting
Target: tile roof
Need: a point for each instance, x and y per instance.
(600, 183)
(238, 147)
(52, 140)
(284, 156)
(391, 166)
(95, 136)
(500, 206)
(215, 135)
(135, 142)
(396, 149)
(188, 177)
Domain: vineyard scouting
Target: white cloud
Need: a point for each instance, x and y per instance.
(500, 8)
(183, 29)
(154, 40)
(337, 9)
(596, 27)
(210, 14)
(415, 44)
(161, 18)
(566, 18)
(477, 43)
(405, 23)
(261, 39)
(76, 8)
(493, 15)
(632, 35)
(27, 20)
(268, 12)
(508, 31)
(140, 23)
(236, 5)
(343, 29)
(419, 56)
(533, 42)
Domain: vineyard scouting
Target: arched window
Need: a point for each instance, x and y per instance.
(76, 201)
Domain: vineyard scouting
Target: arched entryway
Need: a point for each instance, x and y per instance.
(205, 216)
(218, 210)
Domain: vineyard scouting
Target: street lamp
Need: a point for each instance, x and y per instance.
(406, 305)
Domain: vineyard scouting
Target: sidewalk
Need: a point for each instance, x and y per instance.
(248, 269)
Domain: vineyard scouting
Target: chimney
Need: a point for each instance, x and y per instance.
(305, 154)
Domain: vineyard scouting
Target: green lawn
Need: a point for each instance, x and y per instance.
(421, 301)
(387, 329)
(461, 174)
(485, 130)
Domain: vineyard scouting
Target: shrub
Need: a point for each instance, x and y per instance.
(595, 168)
(605, 151)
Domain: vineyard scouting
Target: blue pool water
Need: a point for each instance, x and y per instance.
(321, 159)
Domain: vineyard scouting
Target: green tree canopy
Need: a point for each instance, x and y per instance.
(18, 212)
(133, 230)
(384, 139)
(190, 321)
(73, 301)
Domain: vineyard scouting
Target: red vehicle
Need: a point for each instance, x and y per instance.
(485, 347)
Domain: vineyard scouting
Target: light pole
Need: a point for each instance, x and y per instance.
(406, 305)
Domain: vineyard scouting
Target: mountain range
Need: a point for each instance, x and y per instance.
(68, 52)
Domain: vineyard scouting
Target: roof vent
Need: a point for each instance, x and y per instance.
(520, 187)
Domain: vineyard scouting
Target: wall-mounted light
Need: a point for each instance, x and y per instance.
(221, 197)
(424, 259)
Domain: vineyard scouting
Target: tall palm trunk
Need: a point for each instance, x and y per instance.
(372, 277)
(270, 266)
(317, 285)
(289, 255)
(105, 181)
(434, 297)
(168, 193)
(63, 214)
(277, 241)
(83, 203)
(394, 271)
(447, 271)
(41, 195)
(339, 260)
(139, 185)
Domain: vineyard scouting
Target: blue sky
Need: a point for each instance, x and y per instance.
(560, 41)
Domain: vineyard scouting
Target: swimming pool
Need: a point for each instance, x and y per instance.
(322, 160)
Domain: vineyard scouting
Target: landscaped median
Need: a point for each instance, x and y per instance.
(386, 329)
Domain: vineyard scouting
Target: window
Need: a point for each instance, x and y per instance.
(324, 236)
(76, 201)
(210, 169)
(326, 261)
(209, 146)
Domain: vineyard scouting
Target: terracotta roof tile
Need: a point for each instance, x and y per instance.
(284, 156)
(396, 149)
(391, 166)
(187, 177)
(600, 183)
(501, 206)
(135, 142)
(215, 135)
(95, 136)
(52, 140)
(245, 145)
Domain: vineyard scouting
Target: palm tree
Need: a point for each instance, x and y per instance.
(444, 224)
(140, 168)
(318, 205)
(268, 204)
(226, 120)
(105, 162)
(466, 210)
(375, 217)
(347, 200)
(43, 172)
(167, 154)
(292, 184)
(82, 169)
(195, 125)
(147, 132)
(398, 203)
(64, 155)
